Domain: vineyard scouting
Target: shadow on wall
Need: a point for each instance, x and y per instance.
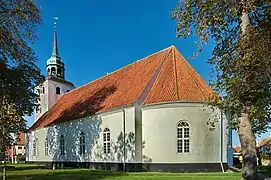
(90, 126)
(117, 152)
(71, 132)
(212, 133)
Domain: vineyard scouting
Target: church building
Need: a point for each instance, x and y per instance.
(150, 115)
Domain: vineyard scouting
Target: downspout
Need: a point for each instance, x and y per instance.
(124, 133)
(221, 142)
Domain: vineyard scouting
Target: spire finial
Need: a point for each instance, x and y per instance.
(55, 48)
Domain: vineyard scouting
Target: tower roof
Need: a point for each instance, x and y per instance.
(55, 48)
(161, 77)
(55, 58)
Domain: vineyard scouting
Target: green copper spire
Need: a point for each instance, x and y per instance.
(55, 48)
(55, 65)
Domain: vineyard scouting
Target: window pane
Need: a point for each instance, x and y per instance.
(186, 132)
(179, 133)
(105, 148)
(80, 149)
(83, 149)
(108, 136)
(108, 147)
(179, 146)
(104, 136)
(186, 145)
(46, 151)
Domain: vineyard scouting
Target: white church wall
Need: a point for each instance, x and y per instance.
(93, 129)
(30, 138)
(114, 121)
(160, 134)
(43, 100)
(49, 97)
(53, 97)
(226, 138)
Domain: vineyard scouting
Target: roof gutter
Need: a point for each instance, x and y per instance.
(124, 134)
(221, 141)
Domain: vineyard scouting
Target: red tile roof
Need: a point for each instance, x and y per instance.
(20, 140)
(237, 149)
(265, 142)
(161, 77)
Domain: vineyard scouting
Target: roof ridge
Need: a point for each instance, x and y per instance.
(122, 68)
(152, 81)
(192, 75)
(175, 70)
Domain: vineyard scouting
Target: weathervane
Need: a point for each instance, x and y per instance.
(55, 19)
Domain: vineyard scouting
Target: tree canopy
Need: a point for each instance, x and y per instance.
(242, 63)
(241, 58)
(19, 73)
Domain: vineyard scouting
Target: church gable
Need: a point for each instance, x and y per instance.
(178, 81)
(191, 86)
(162, 77)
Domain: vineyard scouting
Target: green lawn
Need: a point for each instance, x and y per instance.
(30, 172)
(79, 174)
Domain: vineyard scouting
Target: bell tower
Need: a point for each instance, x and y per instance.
(54, 85)
(55, 65)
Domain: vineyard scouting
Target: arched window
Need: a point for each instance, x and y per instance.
(82, 143)
(62, 145)
(183, 137)
(53, 71)
(34, 148)
(46, 147)
(106, 139)
(58, 71)
(37, 109)
(57, 90)
(48, 70)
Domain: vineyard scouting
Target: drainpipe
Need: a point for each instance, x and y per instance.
(123, 121)
(221, 141)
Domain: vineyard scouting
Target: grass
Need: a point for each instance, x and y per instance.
(266, 170)
(32, 172)
(80, 174)
(28, 172)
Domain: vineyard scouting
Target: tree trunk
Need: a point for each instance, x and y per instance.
(4, 170)
(4, 160)
(246, 136)
(248, 145)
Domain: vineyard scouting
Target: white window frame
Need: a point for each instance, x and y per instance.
(82, 145)
(106, 141)
(183, 137)
(46, 147)
(62, 145)
(34, 148)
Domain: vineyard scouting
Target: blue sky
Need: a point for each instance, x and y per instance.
(100, 36)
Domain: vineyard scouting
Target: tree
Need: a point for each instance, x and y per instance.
(241, 58)
(18, 71)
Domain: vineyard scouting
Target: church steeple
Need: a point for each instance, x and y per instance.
(55, 48)
(55, 65)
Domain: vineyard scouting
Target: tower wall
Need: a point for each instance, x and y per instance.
(53, 96)
(49, 96)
